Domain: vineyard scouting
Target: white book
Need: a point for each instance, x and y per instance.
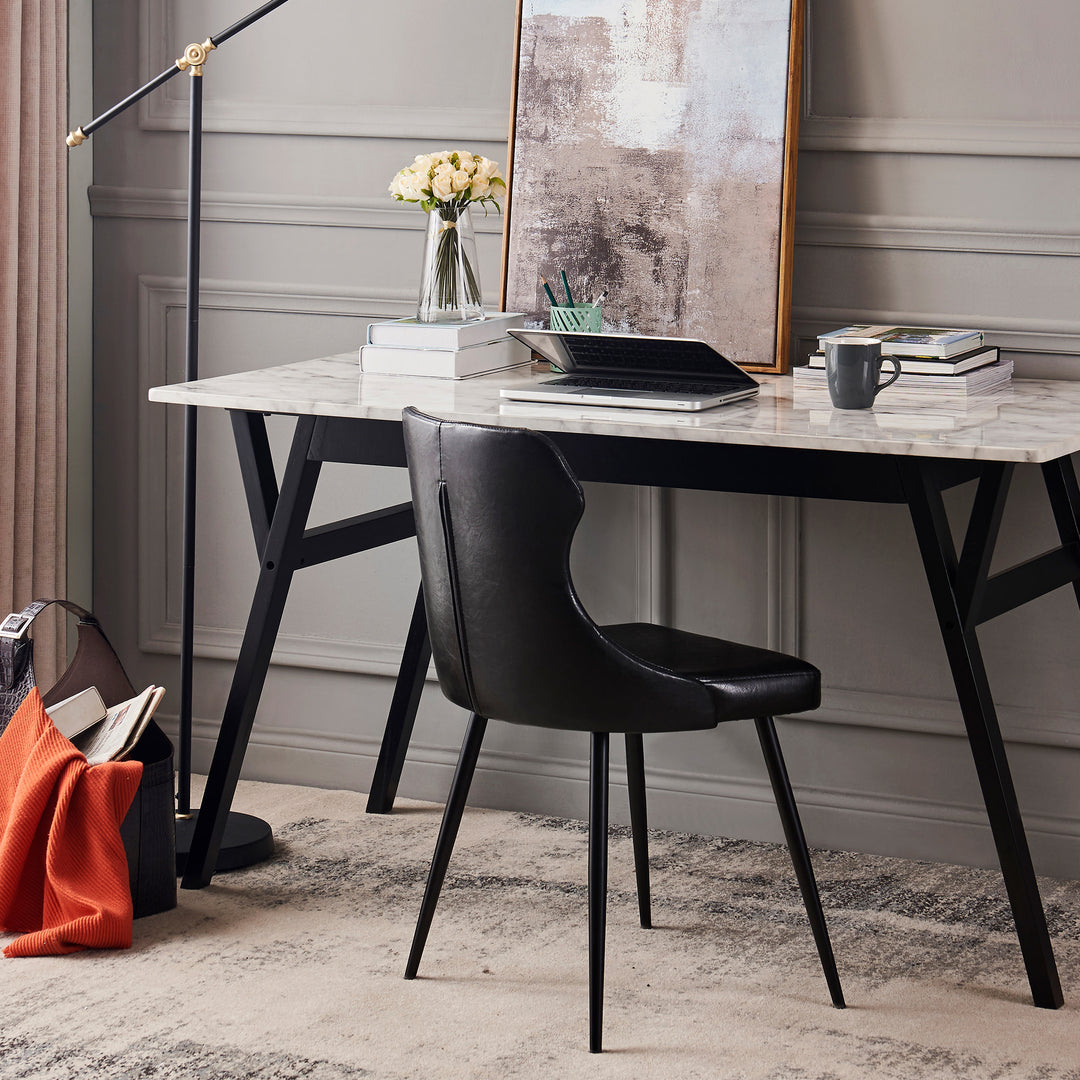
(445, 363)
(449, 335)
(75, 714)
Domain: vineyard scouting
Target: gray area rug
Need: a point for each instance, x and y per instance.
(293, 969)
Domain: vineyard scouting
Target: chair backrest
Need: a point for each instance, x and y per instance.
(496, 510)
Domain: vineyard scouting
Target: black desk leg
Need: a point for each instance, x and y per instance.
(399, 722)
(984, 735)
(280, 558)
(1064, 496)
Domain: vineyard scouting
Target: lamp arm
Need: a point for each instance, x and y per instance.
(246, 21)
(193, 58)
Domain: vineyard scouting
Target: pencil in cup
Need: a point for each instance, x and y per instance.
(581, 318)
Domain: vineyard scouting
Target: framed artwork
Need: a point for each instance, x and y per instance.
(652, 155)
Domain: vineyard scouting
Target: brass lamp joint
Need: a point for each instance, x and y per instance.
(194, 57)
(77, 137)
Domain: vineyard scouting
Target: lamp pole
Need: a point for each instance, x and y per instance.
(247, 839)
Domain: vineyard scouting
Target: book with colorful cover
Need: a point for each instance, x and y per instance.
(912, 340)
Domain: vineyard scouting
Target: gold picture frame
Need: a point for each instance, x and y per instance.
(655, 158)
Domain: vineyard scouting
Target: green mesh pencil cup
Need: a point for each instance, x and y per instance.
(582, 318)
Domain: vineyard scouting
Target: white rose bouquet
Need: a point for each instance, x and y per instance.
(448, 182)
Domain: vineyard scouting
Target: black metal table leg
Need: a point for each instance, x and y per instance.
(980, 718)
(399, 722)
(280, 559)
(1064, 496)
(257, 472)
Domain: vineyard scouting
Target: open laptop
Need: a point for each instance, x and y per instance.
(632, 371)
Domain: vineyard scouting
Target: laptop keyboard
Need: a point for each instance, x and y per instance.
(645, 353)
(664, 386)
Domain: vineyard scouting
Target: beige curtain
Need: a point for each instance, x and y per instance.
(33, 315)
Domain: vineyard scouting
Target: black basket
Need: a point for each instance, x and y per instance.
(149, 829)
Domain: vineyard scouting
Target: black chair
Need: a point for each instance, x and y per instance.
(496, 510)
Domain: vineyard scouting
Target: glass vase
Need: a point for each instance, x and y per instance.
(450, 281)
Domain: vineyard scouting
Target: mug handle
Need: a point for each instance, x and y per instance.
(892, 378)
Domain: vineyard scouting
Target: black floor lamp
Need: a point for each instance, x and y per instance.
(247, 839)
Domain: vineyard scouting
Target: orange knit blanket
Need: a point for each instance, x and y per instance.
(63, 871)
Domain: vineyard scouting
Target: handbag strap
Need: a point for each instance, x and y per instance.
(15, 640)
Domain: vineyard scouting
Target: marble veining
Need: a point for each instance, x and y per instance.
(1031, 420)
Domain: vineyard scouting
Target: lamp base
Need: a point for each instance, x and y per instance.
(247, 840)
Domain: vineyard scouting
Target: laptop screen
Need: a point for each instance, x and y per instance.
(628, 355)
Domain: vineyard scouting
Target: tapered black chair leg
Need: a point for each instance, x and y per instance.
(800, 854)
(598, 837)
(639, 824)
(444, 846)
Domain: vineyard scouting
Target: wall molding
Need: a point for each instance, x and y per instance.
(813, 228)
(158, 630)
(821, 228)
(167, 109)
(922, 135)
(270, 209)
(941, 717)
(653, 530)
(895, 135)
(784, 562)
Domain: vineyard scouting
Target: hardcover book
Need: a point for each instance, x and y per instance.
(446, 363)
(934, 365)
(912, 340)
(75, 714)
(412, 333)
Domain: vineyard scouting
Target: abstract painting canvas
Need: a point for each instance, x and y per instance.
(652, 155)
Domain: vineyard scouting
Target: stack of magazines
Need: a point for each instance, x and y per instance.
(938, 364)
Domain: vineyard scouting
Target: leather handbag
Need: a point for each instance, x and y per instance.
(148, 830)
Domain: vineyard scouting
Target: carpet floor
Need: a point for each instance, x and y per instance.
(293, 969)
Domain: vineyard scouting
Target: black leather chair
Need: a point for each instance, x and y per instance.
(496, 510)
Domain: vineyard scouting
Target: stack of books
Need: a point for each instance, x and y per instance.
(457, 350)
(940, 365)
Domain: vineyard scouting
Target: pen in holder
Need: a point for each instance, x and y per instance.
(583, 318)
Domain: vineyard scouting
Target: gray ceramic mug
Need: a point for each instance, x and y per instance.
(853, 368)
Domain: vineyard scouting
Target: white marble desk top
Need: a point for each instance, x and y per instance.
(1032, 421)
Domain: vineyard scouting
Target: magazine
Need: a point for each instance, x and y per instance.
(115, 737)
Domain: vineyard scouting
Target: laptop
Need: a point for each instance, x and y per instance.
(632, 371)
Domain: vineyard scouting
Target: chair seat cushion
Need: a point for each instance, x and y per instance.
(746, 682)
